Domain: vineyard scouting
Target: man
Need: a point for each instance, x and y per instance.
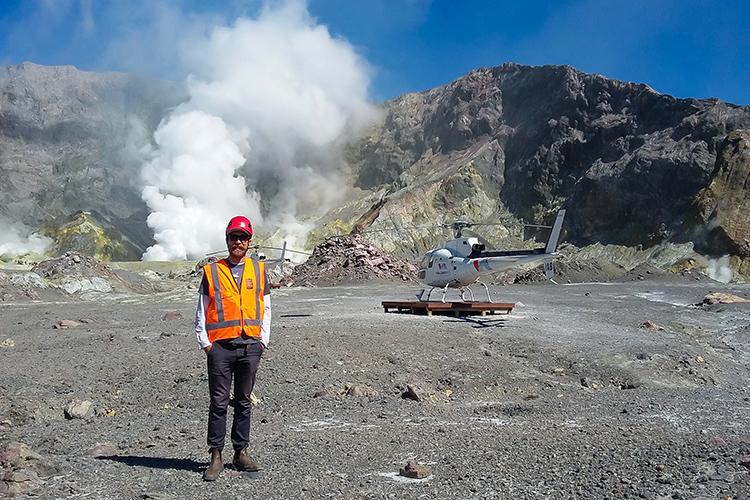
(233, 326)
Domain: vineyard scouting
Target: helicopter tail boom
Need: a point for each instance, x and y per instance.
(554, 236)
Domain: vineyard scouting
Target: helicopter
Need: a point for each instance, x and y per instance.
(461, 261)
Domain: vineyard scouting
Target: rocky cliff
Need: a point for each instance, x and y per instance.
(723, 208)
(519, 142)
(67, 140)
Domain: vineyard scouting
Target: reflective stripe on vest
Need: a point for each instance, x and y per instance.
(234, 311)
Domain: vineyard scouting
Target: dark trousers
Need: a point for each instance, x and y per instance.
(227, 361)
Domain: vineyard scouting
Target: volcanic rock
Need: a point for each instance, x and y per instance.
(101, 450)
(723, 298)
(650, 325)
(74, 272)
(21, 468)
(349, 258)
(413, 393)
(70, 263)
(77, 409)
(65, 323)
(172, 316)
(414, 470)
(359, 390)
(66, 141)
(516, 143)
(724, 205)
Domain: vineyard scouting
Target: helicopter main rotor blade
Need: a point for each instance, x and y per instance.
(387, 230)
(258, 247)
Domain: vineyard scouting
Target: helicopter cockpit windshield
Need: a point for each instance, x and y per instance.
(426, 261)
(424, 264)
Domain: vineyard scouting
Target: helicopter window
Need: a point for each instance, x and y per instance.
(430, 264)
(465, 242)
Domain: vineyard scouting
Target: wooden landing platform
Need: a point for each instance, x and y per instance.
(451, 308)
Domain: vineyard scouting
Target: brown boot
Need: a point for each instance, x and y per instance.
(244, 462)
(215, 467)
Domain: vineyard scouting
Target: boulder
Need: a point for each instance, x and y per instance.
(77, 409)
(414, 470)
(723, 298)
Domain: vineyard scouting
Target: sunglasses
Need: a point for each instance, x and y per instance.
(239, 237)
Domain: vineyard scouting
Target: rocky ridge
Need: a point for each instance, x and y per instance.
(68, 143)
(517, 143)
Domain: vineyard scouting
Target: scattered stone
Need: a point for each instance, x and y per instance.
(19, 476)
(745, 461)
(77, 273)
(85, 320)
(723, 298)
(650, 325)
(412, 393)
(77, 409)
(65, 323)
(414, 470)
(105, 412)
(173, 316)
(323, 393)
(102, 450)
(359, 390)
(7, 344)
(717, 441)
(28, 280)
(23, 469)
(587, 382)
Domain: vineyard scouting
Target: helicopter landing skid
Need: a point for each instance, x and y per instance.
(463, 291)
(421, 294)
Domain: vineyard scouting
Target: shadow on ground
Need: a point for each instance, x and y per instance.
(479, 323)
(158, 462)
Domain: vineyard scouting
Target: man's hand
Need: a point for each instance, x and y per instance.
(208, 348)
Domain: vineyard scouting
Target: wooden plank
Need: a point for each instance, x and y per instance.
(455, 308)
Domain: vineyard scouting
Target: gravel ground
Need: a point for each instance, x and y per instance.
(567, 397)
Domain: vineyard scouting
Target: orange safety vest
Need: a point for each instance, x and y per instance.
(233, 312)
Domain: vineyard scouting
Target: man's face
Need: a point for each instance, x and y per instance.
(238, 243)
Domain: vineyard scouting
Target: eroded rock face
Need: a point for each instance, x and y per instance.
(724, 206)
(68, 142)
(626, 161)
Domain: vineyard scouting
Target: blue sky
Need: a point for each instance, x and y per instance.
(686, 48)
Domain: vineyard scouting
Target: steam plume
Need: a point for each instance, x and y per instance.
(15, 242)
(272, 101)
(719, 270)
